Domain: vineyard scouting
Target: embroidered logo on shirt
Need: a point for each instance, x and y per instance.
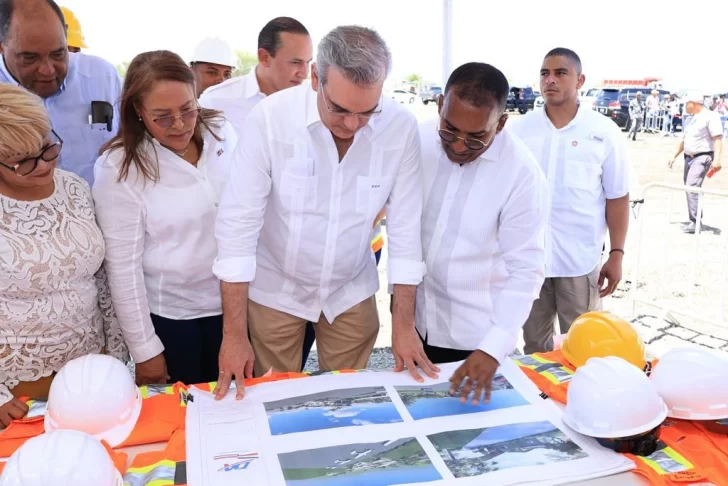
(597, 138)
(220, 152)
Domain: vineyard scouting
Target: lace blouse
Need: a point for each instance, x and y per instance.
(55, 303)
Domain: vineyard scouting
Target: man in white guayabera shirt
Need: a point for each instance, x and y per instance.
(294, 228)
(486, 206)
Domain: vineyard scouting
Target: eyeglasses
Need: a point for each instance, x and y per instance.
(49, 153)
(168, 120)
(361, 116)
(471, 143)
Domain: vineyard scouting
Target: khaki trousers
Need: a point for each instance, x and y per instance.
(565, 298)
(277, 338)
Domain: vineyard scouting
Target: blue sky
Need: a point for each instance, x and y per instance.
(616, 39)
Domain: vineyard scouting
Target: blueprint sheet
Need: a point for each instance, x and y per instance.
(383, 428)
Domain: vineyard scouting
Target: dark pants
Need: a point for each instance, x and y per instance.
(443, 355)
(310, 337)
(191, 347)
(696, 168)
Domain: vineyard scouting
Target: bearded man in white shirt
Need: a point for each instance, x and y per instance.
(584, 157)
(318, 164)
(485, 209)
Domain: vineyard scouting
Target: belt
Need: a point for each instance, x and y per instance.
(711, 153)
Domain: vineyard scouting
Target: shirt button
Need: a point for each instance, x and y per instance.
(217, 205)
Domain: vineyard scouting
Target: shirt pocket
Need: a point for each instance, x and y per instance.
(371, 195)
(580, 175)
(297, 192)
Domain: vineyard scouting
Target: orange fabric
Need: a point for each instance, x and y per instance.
(18, 432)
(685, 456)
(553, 360)
(160, 417)
(175, 451)
(119, 458)
(718, 440)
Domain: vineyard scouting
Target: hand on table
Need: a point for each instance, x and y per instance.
(475, 374)
(152, 371)
(236, 359)
(13, 410)
(409, 353)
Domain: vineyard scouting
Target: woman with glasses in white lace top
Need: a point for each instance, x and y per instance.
(54, 301)
(157, 187)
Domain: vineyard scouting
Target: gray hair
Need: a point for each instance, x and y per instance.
(359, 53)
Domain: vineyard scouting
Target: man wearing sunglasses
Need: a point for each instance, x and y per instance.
(485, 207)
(79, 91)
(318, 164)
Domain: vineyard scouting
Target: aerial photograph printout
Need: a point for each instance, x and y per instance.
(479, 451)
(331, 409)
(374, 464)
(435, 401)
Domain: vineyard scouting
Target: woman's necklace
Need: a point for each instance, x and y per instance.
(182, 154)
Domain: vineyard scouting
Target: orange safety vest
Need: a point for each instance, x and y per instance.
(685, 454)
(551, 372)
(160, 468)
(684, 457)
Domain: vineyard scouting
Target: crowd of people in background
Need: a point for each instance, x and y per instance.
(211, 228)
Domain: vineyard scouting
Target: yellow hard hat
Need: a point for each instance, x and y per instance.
(600, 334)
(73, 27)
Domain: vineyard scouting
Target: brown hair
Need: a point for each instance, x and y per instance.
(145, 70)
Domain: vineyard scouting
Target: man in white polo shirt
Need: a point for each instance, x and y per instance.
(703, 146)
(584, 157)
(294, 229)
(486, 206)
(284, 54)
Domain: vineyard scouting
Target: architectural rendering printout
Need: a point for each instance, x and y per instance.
(383, 428)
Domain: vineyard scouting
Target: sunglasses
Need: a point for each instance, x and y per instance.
(168, 120)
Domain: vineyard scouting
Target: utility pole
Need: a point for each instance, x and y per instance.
(446, 40)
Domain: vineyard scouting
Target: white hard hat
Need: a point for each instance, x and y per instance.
(215, 51)
(61, 458)
(693, 383)
(611, 398)
(96, 395)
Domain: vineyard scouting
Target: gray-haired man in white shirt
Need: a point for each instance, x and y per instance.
(295, 223)
(486, 206)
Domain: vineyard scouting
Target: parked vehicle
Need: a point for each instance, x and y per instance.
(539, 103)
(614, 103)
(431, 94)
(403, 96)
(521, 99)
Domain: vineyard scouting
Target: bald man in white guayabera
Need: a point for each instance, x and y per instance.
(322, 159)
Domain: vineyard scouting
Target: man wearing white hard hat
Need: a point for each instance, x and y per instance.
(213, 62)
(703, 145)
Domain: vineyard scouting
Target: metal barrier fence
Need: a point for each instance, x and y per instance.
(666, 306)
(659, 122)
